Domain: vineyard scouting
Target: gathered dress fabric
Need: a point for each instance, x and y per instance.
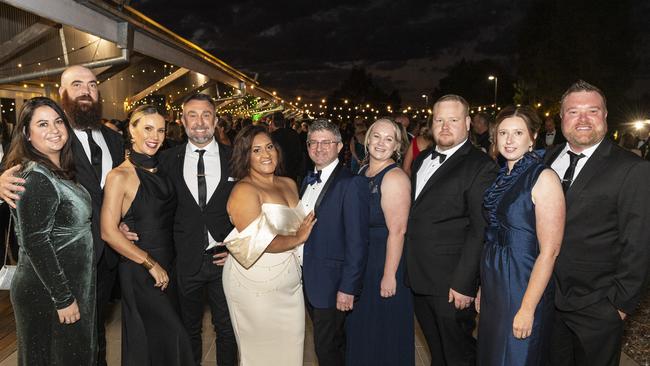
(55, 268)
(508, 257)
(264, 290)
(152, 331)
(379, 331)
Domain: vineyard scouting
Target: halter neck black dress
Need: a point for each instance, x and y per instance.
(152, 331)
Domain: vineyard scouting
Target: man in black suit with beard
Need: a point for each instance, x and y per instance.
(602, 268)
(97, 149)
(445, 231)
(199, 170)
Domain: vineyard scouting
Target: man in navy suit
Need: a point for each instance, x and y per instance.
(335, 254)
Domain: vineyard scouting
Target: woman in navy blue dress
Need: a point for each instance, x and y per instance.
(525, 212)
(379, 330)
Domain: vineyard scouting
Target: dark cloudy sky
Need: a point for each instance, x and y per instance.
(307, 47)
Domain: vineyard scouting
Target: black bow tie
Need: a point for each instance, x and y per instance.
(435, 154)
(313, 177)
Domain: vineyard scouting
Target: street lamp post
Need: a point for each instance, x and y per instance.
(426, 101)
(496, 86)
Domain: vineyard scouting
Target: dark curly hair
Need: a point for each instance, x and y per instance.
(240, 162)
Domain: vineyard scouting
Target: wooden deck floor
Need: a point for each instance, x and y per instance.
(8, 354)
(7, 326)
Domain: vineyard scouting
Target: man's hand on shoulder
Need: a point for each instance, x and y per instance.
(10, 185)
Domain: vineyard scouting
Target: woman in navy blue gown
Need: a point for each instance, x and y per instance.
(379, 330)
(525, 211)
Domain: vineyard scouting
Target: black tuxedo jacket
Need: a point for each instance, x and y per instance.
(86, 176)
(541, 139)
(291, 146)
(606, 247)
(446, 226)
(190, 220)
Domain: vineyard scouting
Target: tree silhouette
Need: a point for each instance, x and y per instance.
(562, 41)
(360, 88)
(470, 80)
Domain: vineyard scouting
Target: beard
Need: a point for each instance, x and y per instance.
(82, 116)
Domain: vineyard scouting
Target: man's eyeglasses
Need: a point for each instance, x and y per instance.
(325, 144)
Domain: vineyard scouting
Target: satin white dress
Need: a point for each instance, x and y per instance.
(264, 290)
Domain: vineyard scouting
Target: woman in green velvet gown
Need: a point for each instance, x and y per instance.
(53, 291)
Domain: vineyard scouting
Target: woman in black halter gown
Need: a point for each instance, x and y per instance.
(143, 198)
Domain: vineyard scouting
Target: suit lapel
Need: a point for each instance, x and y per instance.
(117, 153)
(82, 159)
(416, 166)
(553, 153)
(442, 171)
(223, 161)
(180, 163)
(594, 165)
(327, 185)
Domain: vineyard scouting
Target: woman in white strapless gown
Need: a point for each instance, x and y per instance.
(262, 275)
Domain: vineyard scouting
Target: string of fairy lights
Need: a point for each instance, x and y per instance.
(170, 101)
(345, 110)
(243, 104)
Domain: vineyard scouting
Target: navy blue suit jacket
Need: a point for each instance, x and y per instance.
(336, 252)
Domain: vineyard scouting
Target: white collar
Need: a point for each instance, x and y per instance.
(328, 170)
(211, 148)
(586, 152)
(450, 152)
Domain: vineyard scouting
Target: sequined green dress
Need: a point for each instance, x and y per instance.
(55, 267)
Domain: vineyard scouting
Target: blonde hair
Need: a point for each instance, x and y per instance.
(136, 116)
(141, 111)
(400, 138)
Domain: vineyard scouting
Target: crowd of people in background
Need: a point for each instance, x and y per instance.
(540, 227)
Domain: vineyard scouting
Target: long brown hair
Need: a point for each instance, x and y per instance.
(527, 114)
(240, 162)
(22, 151)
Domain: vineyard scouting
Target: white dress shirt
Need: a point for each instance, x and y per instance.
(429, 166)
(309, 198)
(561, 163)
(550, 137)
(212, 164)
(107, 159)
